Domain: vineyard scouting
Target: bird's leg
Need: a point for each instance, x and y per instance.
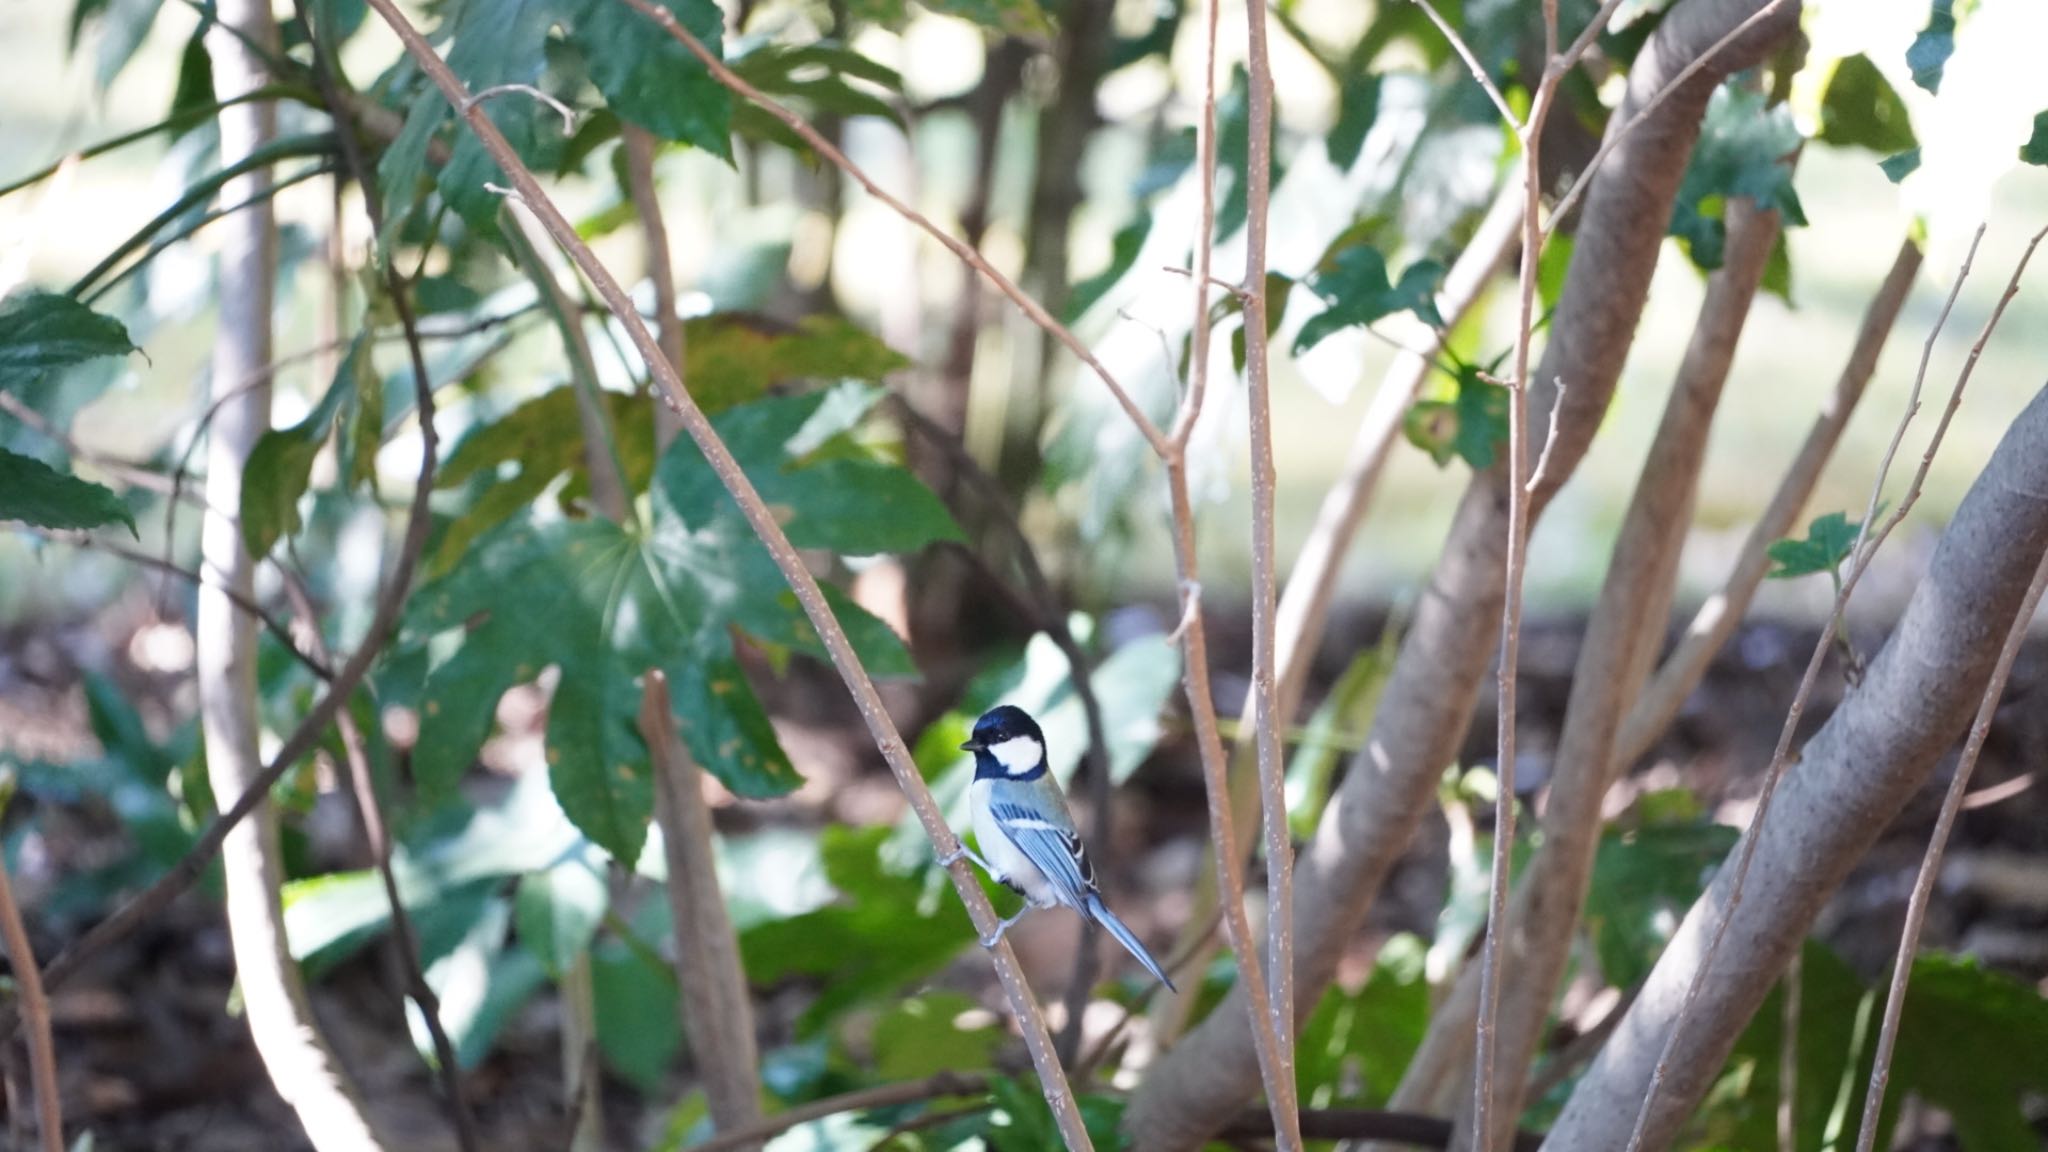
(996, 937)
(963, 850)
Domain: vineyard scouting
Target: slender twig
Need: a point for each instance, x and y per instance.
(128, 472)
(1868, 542)
(717, 1015)
(1265, 578)
(641, 146)
(35, 1012)
(567, 113)
(761, 518)
(1025, 303)
(1486, 1038)
(1192, 635)
(1472, 63)
(1542, 469)
(314, 663)
(1930, 864)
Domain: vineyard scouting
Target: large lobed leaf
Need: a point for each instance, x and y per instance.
(604, 603)
(1743, 151)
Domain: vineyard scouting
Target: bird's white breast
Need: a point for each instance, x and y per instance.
(1009, 861)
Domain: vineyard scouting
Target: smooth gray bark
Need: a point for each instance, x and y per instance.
(1851, 780)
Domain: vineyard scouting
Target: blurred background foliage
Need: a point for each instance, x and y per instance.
(1057, 138)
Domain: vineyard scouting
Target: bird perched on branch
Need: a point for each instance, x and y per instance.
(1022, 822)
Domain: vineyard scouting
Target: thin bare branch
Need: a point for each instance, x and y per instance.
(35, 1013)
(1521, 490)
(567, 113)
(1542, 469)
(762, 519)
(1472, 63)
(1930, 864)
(661, 270)
(717, 1013)
(1025, 303)
(212, 581)
(1265, 595)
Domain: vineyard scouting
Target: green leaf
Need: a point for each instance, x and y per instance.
(35, 493)
(1343, 714)
(481, 985)
(1743, 151)
(1861, 110)
(557, 913)
(1974, 1043)
(620, 602)
(650, 78)
(2035, 150)
(920, 1037)
(1010, 17)
(732, 358)
(402, 170)
(41, 332)
(1353, 1048)
(1352, 279)
(1358, 106)
(1900, 165)
(281, 464)
(883, 936)
(1930, 50)
(1469, 423)
(851, 505)
(1836, 1029)
(1644, 879)
(819, 76)
(1827, 543)
(122, 26)
(638, 1012)
(499, 42)
(193, 101)
(1123, 253)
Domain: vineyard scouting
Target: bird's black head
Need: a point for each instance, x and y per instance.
(1007, 742)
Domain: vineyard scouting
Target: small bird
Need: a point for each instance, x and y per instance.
(1023, 824)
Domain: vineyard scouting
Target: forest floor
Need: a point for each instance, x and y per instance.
(153, 1058)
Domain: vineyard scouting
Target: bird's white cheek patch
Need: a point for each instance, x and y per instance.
(1018, 754)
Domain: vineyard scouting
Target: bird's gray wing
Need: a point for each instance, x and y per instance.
(1049, 839)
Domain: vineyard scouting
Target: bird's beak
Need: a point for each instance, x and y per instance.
(973, 746)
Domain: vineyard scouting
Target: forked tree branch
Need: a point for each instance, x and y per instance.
(1433, 689)
(1854, 777)
(1868, 541)
(809, 595)
(1930, 864)
(1860, 554)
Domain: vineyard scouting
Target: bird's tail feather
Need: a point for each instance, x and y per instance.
(1101, 914)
